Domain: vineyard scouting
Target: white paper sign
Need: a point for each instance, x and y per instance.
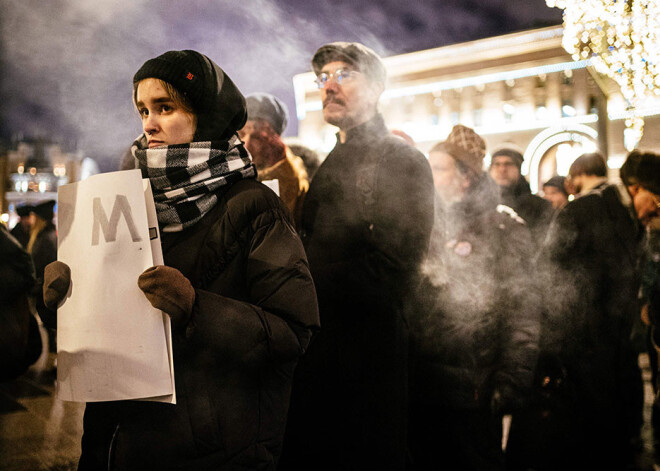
(111, 343)
(273, 185)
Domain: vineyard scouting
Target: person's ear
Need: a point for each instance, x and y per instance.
(376, 89)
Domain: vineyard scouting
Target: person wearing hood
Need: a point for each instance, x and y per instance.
(475, 345)
(505, 167)
(235, 284)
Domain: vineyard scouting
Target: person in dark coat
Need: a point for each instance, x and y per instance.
(235, 284)
(21, 230)
(554, 190)
(43, 248)
(20, 340)
(366, 224)
(505, 167)
(476, 344)
(591, 257)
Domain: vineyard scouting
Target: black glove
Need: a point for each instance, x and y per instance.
(169, 290)
(57, 281)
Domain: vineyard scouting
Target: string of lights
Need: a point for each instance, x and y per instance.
(621, 38)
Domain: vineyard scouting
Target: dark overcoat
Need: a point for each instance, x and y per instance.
(366, 224)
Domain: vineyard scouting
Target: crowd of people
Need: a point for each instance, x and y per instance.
(387, 310)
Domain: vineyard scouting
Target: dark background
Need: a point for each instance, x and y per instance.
(66, 66)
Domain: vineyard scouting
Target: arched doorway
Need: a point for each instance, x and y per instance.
(553, 151)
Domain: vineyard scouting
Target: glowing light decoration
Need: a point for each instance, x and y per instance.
(622, 39)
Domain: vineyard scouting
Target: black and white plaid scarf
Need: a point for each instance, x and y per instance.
(185, 177)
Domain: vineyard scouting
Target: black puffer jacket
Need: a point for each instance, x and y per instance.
(254, 313)
(479, 327)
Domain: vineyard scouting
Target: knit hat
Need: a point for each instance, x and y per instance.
(217, 102)
(24, 210)
(516, 156)
(45, 210)
(269, 108)
(467, 147)
(557, 182)
(355, 54)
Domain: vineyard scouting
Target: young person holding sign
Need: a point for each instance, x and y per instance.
(235, 283)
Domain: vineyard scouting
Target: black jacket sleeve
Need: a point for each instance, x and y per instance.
(276, 319)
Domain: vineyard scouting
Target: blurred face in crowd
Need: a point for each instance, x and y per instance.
(556, 197)
(449, 182)
(27, 221)
(264, 144)
(569, 186)
(351, 102)
(165, 119)
(253, 142)
(575, 183)
(647, 204)
(504, 171)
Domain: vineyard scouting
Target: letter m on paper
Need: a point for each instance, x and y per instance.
(109, 227)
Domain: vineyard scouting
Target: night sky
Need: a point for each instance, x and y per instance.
(67, 65)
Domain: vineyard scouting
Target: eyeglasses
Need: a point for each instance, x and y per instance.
(339, 75)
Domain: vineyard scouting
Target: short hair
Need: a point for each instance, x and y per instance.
(643, 169)
(629, 170)
(592, 163)
(557, 182)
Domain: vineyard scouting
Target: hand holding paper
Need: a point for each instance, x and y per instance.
(168, 290)
(57, 281)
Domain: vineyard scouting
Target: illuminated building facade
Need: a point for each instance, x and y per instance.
(32, 171)
(522, 90)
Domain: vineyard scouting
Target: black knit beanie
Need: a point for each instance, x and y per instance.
(217, 102)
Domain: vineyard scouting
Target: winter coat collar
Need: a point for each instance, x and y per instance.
(375, 127)
(520, 188)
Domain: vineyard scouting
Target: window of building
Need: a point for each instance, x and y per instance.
(540, 81)
(508, 109)
(454, 118)
(593, 105)
(477, 117)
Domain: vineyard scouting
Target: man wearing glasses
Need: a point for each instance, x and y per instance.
(592, 255)
(366, 225)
